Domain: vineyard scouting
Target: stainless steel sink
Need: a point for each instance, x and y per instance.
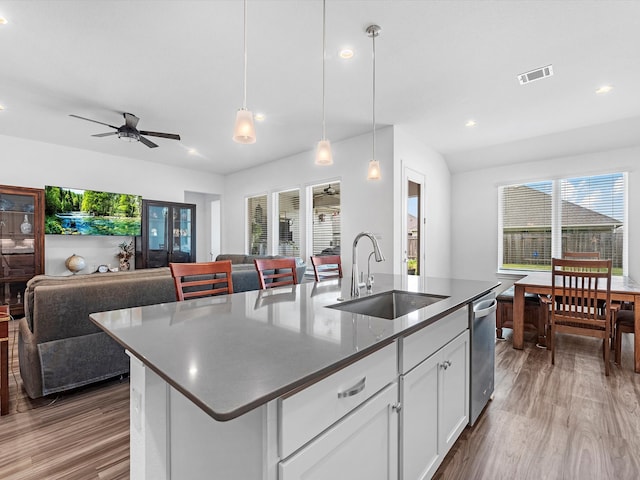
(389, 305)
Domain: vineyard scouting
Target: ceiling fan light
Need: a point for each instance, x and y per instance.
(128, 136)
(323, 153)
(374, 170)
(244, 131)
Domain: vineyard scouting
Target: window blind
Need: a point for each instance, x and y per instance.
(326, 219)
(593, 216)
(289, 223)
(257, 225)
(526, 225)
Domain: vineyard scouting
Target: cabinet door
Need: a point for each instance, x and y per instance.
(420, 447)
(364, 444)
(168, 234)
(435, 408)
(21, 242)
(454, 390)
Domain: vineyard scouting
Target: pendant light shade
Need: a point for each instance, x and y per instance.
(323, 153)
(244, 131)
(323, 150)
(374, 165)
(374, 170)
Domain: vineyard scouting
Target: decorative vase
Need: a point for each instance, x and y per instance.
(75, 263)
(124, 265)
(26, 226)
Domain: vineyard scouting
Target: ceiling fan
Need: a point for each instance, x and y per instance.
(129, 132)
(328, 191)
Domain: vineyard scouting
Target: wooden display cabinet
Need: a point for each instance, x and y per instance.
(21, 243)
(168, 234)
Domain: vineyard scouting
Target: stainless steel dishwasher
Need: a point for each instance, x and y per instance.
(483, 353)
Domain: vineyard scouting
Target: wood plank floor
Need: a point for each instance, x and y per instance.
(562, 422)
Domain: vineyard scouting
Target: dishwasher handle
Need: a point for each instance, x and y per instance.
(485, 307)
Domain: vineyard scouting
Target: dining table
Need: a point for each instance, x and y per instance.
(623, 289)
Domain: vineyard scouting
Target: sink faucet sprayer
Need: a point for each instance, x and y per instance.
(355, 285)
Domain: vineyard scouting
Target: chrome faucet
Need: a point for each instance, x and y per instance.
(355, 285)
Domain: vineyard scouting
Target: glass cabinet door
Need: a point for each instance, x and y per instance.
(21, 243)
(168, 234)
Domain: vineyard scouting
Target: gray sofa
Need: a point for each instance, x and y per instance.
(244, 272)
(59, 347)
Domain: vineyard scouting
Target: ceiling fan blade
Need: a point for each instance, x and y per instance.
(104, 134)
(89, 120)
(147, 142)
(172, 136)
(130, 120)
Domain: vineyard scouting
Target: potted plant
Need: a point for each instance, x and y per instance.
(124, 255)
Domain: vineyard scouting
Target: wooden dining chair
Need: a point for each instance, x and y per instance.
(575, 285)
(624, 323)
(203, 279)
(276, 272)
(545, 302)
(328, 264)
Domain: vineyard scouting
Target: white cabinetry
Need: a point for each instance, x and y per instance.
(364, 444)
(435, 404)
(346, 425)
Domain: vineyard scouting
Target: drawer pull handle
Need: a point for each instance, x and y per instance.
(446, 364)
(357, 388)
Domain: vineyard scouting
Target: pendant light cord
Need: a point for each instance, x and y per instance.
(244, 101)
(373, 36)
(324, 58)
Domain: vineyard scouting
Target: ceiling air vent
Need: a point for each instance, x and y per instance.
(536, 74)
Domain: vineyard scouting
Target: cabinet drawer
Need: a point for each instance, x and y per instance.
(307, 413)
(424, 343)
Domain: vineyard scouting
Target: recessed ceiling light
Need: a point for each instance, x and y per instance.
(470, 123)
(604, 89)
(1, 107)
(192, 151)
(3, 21)
(346, 53)
(259, 117)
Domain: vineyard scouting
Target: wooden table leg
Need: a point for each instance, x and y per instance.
(636, 334)
(518, 317)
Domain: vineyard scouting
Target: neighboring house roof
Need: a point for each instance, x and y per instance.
(412, 222)
(518, 213)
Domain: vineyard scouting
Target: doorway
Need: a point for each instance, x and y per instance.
(413, 224)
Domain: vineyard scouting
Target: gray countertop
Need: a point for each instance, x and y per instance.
(230, 354)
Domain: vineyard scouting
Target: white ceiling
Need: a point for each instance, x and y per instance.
(178, 66)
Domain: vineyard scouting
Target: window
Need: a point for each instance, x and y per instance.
(289, 223)
(257, 225)
(545, 219)
(326, 219)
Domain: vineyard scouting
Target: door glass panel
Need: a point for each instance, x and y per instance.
(182, 231)
(289, 223)
(326, 219)
(257, 224)
(413, 228)
(157, 227)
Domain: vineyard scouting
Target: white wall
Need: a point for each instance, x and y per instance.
(412, 153)
(365, 205)
(27, 163)
(475, 205)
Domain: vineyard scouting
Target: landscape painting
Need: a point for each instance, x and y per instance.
(71, 211)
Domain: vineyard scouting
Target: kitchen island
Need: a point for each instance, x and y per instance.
(244, 385)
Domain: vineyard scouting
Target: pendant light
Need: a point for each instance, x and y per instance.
(244, 131)
(323, 150)
(374, 166)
